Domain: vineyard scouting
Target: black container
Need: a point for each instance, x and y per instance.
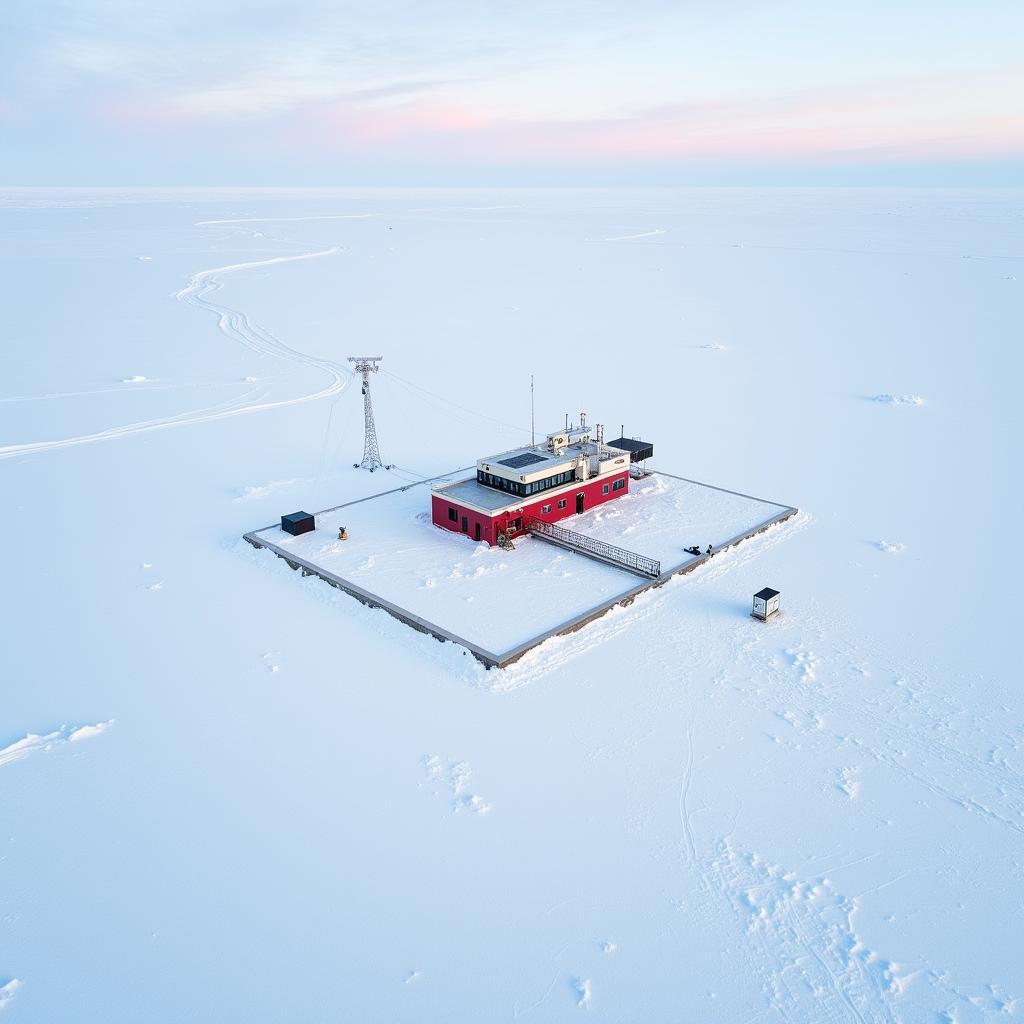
(638, 450)
(298, 523)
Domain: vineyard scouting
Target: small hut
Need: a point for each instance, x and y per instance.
(766, 603)
(298, 523)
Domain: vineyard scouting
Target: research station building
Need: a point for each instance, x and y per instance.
(572, 472)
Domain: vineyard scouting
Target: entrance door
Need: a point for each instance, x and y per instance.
(476, 532)
(579, 502)
(465, 525)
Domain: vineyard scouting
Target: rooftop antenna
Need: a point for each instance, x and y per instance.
(371, 453)
(533, 438)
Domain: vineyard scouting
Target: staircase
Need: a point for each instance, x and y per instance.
(620, 558)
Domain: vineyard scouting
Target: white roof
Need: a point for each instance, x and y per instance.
(529, 459)
(490, 499)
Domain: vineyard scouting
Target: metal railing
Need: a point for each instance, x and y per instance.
(623, 558)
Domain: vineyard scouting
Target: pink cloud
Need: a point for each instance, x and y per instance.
(938, 116)
(951, 116)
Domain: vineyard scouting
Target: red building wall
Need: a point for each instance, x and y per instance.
(440, 516)
(491, 526)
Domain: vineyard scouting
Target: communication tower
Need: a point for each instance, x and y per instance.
(366, 365)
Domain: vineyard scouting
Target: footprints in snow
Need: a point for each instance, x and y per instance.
(461, 572)
(579, 988)
(583, 989)
(848, 781)
(900, 729)
(157, 584)
(454, 776)
(802, 942)
(807, 662)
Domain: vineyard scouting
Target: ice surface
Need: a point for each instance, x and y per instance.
(818, 818)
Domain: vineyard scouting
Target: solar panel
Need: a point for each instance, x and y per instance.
(519, 461)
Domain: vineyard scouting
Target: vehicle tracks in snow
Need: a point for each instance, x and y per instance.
(237, 326)
(800, 934)
(802, 942)
(897, 726)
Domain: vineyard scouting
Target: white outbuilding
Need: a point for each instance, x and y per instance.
(766, 603)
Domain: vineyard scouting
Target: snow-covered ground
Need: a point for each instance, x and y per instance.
(499, 599)
(232, 793)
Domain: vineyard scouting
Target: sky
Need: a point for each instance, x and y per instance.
(440, 92)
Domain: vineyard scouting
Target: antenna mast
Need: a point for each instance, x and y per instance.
(371, 453)
(533, 437)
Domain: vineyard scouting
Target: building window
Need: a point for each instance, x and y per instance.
(563, 502)
(619, 484)
(545, 509)
(525, 490)
(453, 515)
(500, 483)
(604, 488)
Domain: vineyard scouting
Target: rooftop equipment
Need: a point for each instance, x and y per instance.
(297, 523)
(574, 470)
(766, 603)
(638, 450)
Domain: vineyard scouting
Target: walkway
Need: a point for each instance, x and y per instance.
(650, 568)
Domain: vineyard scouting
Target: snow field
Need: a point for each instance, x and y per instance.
(677, 813)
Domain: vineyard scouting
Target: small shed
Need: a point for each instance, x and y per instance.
(638, 450)
(297, 523)
(766, 603)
